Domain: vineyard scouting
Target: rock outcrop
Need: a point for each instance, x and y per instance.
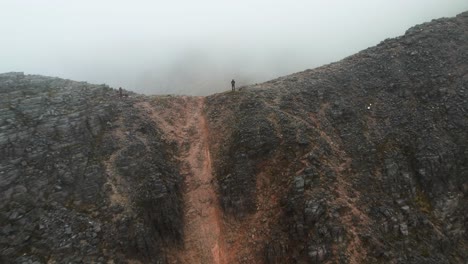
(360, 161)
(85, 176)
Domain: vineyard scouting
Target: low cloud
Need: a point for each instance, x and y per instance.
(196, 47)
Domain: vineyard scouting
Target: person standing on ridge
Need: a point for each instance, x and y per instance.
(233, 84)
(120, 92)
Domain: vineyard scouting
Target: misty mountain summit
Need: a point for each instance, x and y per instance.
(364, 160)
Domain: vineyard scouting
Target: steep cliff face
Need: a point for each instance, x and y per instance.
(85, 175)
(364, 160)
(360, 161)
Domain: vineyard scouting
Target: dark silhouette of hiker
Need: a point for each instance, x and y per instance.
(120, 92)
(233, 84)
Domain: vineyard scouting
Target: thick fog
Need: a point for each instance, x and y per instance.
(197, 47)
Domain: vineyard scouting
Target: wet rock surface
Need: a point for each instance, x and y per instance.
(51, 195)
(371, 150)
(360, 161)
(84, 175)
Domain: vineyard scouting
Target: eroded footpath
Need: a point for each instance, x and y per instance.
(183, 122)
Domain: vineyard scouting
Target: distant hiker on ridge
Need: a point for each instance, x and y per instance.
(120, 92)
(233, 84)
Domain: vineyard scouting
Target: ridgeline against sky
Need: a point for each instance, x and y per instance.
(196, 47)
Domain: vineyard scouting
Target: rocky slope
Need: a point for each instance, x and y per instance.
(360, 161)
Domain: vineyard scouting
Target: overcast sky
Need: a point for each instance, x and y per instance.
(197, 47)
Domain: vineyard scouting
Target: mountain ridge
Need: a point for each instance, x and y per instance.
(359, 161)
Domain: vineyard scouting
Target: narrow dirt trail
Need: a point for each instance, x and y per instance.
(203, 239)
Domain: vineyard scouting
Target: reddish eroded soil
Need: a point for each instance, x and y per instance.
(183, 122)
(209, 237)
(247, 237)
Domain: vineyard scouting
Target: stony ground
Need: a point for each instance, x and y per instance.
(203, 241)
(360, 161)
